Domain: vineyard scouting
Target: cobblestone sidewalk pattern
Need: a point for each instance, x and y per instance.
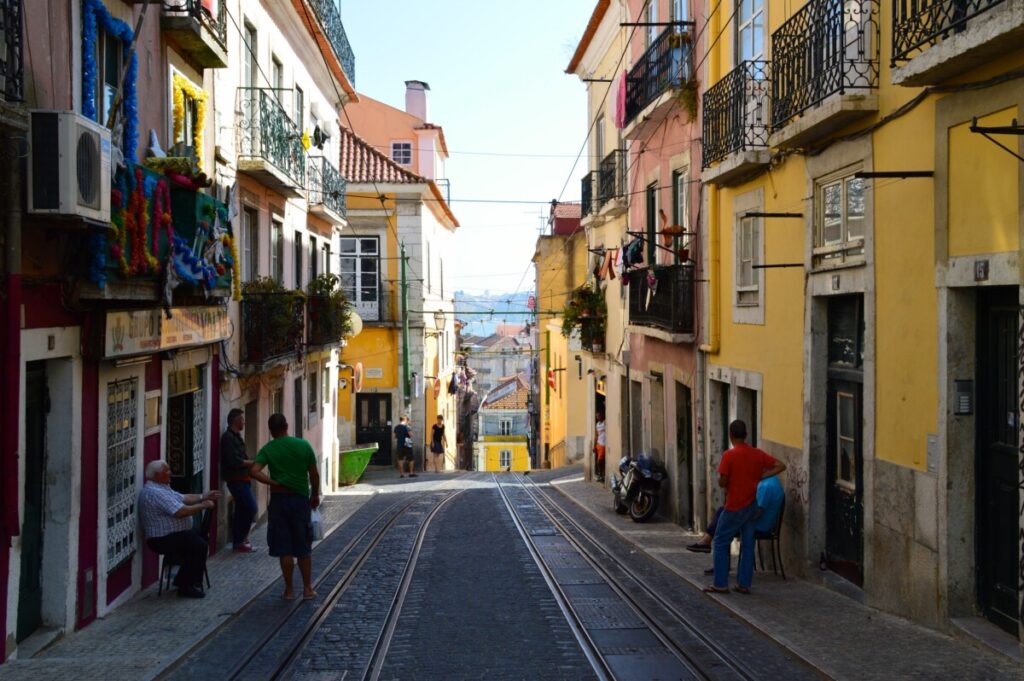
(835, 634)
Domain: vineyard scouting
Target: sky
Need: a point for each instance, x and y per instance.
(513, 120)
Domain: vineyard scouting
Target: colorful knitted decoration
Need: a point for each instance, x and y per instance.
(94, 17)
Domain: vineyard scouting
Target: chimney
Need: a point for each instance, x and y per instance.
(416, 99)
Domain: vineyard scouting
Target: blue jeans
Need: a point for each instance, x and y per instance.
(245, 510)
(731, 523)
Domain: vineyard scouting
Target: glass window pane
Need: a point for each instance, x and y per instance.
(855, 208)
(846, 415)
(846, 467)
(832, 215)
(368, 246)
(368, 265)
(348, 245)
(369, 294)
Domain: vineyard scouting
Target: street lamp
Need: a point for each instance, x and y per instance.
(439, 320)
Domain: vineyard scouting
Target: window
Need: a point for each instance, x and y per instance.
(652, 20)
(276, 402)
(429, 280)
(249, 64)
(839, 223)
(750, 30)
(314, 394)
(297, 254)
(680, 11)
(505, 424)
(401, 153)
(681, 210)
(652, 223)
(325, 388)
(296, 428)
(846, 441)
(748, 255)
(250, 244)
(122, 463)
(300, 108)
(277, 77)
(277, 251)
(360, 275)
(190, 120)
(108, 59)
(313, 258)
(505, 458)
(327, 257)
(598, 141)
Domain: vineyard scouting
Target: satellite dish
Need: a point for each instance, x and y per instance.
(357, 325)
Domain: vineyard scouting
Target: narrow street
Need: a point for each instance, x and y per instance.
(478, 575)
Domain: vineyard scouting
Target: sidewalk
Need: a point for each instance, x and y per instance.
(834, 634)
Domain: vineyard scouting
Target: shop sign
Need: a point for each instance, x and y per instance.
(135, 332)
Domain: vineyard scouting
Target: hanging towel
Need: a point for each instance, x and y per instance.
(620, 102)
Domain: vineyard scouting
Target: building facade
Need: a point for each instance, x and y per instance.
(504, 427)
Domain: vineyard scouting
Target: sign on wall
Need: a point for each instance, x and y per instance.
(134, 332)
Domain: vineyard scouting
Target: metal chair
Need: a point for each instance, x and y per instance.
(171, 560)
(774, 538)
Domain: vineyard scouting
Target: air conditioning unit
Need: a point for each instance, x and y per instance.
(68, 166)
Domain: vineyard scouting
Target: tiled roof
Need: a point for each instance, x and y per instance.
(567, 210)
(510, 394)
(588, 35)
(360, 162)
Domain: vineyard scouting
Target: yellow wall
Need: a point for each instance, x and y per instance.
(982, 191)
(520, 456)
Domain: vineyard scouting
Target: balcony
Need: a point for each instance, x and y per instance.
(655, 79)
(325, 321)
(670, 314)
(611, 185)
(12, 68)
(736, 124)
(327, 14)
(824, 70)
(269, 144)
(200, 28)
(589, 195)
(272, 326)
(934, 40)
(326, 191)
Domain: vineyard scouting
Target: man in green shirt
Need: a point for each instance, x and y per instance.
(291, 463)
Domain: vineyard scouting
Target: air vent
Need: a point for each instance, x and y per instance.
(69, 166)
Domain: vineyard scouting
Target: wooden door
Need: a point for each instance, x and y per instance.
(373, 424)
(30, 587)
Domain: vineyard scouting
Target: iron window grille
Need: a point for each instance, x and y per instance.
(272, 325)
(920, 24)
(828, 46)
(216, 25)
(667, 63)
(12, 66)
(266, 132)
(122, 463)
(736, 112)
(612, 177)
(589, 193)
(330, 21)
(327, 186)
(199, 430)
(669, 303)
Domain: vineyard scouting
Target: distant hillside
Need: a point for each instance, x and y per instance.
(499, 302)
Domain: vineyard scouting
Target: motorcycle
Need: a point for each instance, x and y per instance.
(639, 489)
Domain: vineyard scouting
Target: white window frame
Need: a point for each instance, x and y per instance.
(748, 246)
(401, 149)
(848, 248)
(841, 482)
(250, 243)
(750, 24)
(369, 310)
(599, 141)
(681, 12)
(505, 458)
(505, 425)
(652, 18)
(277, 250)
(682, 216)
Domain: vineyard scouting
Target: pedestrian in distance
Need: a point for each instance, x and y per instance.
(600, 440)
(403, 445)
(741, 470)
(234, 468)
(166, 517)
(294, 492)
(438, 442)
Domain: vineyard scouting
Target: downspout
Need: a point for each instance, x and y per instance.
(711, 344)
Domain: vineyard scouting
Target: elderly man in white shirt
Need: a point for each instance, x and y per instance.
(167, 523)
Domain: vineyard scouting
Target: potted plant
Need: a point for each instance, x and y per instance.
(330, 316)
(586, 310)
(271, 318)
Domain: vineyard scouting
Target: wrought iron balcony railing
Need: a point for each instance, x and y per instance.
(672, 301)
(216, 25)
(324, 321)
(326, 185)
(736, 112)
(273, 324)
(665, 64)
(267, 132)
(920, 24)
(12, 67)
(589, 194)
(825, 48)
(612, 177)
(330, 19)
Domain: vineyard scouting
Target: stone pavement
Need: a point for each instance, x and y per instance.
(143, 636)
(835, 634)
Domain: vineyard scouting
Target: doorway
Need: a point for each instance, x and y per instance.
(373, 424)
(30, 587)
(844, 468)
(186, 430)
(996, 458)
(684, 449)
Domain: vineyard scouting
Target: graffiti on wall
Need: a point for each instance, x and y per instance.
(796, 480)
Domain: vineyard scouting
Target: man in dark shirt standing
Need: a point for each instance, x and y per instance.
(741, 470)
(234, 467)
(403, 445)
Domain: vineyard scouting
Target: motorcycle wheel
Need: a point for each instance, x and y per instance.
(643, 507)
(619, 507)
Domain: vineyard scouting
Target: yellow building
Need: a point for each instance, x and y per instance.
(863, 257)
(504, 425)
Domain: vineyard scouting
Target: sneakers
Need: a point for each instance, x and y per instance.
(244, 547)
(697, 547)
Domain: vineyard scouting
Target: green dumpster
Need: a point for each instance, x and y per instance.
(353, 461)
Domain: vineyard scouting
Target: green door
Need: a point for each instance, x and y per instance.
(30, 587)
(996, 459)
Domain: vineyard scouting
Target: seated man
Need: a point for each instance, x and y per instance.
(167, 524)
(769, 499)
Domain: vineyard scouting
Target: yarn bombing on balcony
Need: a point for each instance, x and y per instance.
(94, 17)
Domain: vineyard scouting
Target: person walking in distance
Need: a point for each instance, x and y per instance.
(741, 470)
(438, 442)
(294, 491)
(600, 441)
(403, 445)
(234, 468)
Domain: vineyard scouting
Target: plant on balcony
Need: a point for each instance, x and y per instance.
(587, 311)
(331, 317)
(687, 97)
(274, 326)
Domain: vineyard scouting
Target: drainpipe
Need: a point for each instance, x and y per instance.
(711, 345)
(11, 344)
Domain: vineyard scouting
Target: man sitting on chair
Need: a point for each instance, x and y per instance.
(167, 523)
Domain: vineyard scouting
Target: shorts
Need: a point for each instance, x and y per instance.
(289, 526)
(405, 454)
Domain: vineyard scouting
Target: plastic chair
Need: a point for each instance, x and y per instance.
(774, 538)
(170, 560)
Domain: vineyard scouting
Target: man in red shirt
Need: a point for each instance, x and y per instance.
(739, 473)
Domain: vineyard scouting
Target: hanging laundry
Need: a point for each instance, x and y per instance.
(652, 288)
(633, 253)
(453, 385)
(620, 102)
